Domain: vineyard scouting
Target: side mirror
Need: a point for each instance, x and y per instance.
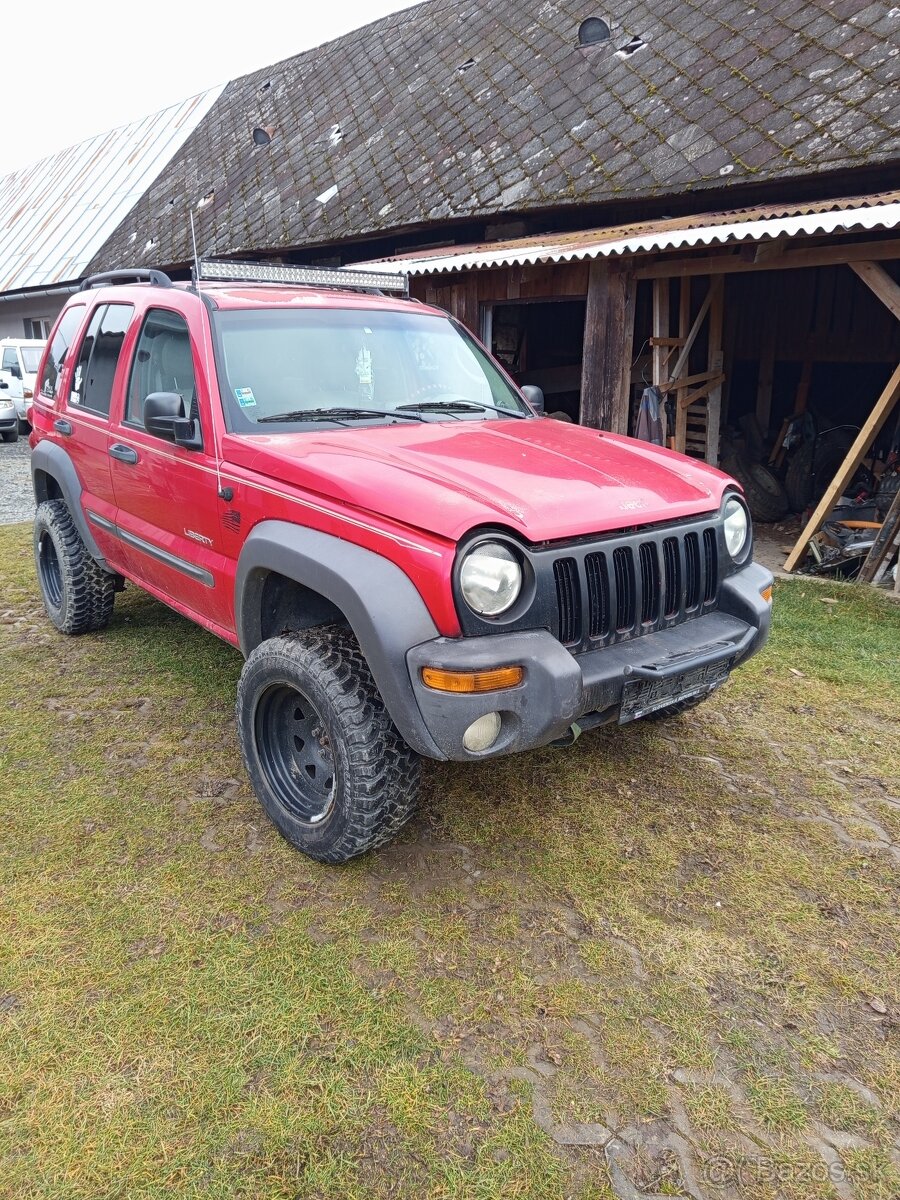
(161, 410)
(535, 397)
(164, 417)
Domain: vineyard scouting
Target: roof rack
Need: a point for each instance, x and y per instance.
(220, 271)
(130, 275)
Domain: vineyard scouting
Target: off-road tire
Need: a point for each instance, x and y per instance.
(813, 466)
(11, 435)
(77, 593)
(375, 774)
(766, 497)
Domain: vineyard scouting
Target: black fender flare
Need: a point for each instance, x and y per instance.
(52, 460)
(381, 603)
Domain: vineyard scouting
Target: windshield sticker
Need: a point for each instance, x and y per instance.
(245, 397)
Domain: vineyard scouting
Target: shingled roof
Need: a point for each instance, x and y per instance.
(468, 110)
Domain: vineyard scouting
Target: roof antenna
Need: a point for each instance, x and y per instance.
(196, 271)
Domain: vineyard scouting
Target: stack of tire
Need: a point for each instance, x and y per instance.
(766, 497)
(888, 487)
(814, 465)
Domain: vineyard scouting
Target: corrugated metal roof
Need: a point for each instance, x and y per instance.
(880, 211)
(56, 214)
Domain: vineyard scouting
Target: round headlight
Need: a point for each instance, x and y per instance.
(737, 527)
(490, 578)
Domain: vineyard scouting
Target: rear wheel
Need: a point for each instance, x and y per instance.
(77, 593)
(324, 758)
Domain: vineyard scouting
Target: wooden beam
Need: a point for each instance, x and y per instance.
(807, 256)
(660, 328)
(715, 362)
(627, 352)
(877, 279)
(857, 452)
(604, 405)
(884, 541)
(684, 336)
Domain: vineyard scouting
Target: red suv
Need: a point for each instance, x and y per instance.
(411, 557)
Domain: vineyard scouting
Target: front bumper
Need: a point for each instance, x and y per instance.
(560, 689)
(9, 419)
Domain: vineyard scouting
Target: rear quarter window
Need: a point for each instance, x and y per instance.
(56, 356)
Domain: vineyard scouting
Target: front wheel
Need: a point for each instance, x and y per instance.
(324, 758)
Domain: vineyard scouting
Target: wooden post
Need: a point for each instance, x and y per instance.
(660, 329)
(857, 452)
(884, 542)
(627, 353)
(686, 336)
(715, 363)
(604, 404)
(877, 279)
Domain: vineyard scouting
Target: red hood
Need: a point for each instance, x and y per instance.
(545, 479)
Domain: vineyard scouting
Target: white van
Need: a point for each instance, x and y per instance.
(19, 360)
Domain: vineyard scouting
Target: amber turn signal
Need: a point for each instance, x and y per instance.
(472, 681)
(766, 594)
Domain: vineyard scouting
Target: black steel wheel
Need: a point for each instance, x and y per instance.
(324, 758)
(78, 593)
(295, 752)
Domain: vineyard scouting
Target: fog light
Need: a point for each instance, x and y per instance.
(482, 733)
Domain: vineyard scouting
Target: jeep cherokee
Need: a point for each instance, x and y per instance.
(412, 559)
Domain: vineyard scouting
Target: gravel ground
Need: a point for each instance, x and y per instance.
(16, 496)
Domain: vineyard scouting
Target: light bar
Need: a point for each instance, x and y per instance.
(249, 272)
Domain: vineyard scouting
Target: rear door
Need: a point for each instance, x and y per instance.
(83, 420)
(167, 495)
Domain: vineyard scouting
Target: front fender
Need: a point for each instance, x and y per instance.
(381, 603)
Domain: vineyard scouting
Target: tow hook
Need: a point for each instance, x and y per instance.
(569, 738)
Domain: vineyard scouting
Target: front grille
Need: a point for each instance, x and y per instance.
(635, 585)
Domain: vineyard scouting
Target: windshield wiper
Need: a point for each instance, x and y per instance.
(460, 406)
(337, 414)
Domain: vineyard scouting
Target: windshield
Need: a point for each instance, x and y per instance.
(281, 364)
(31, 358)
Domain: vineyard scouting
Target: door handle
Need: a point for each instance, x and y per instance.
(63, 427)
(124, 454)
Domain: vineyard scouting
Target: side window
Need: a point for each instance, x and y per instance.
(11, 362)
(162, 363)
(99, 357)
(62, 339)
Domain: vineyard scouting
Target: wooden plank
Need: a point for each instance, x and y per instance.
(691, 336)
(884, 541)
(715, 381)
(604, 405)
(857, 452)
(689, 380)
(877, 279)
(807, 256)
(684, 336)
(660, 328)
(715, 362)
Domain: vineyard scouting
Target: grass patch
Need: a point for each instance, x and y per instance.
(187, 1005)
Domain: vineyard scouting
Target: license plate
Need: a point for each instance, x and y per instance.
(642, 696)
